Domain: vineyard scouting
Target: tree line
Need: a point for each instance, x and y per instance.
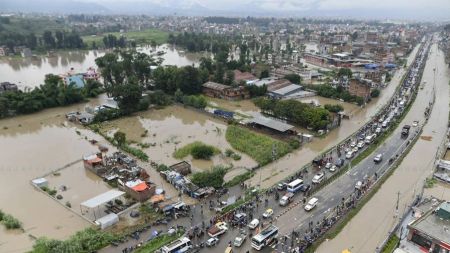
(297, 112)
(52, 93)
(47, 40)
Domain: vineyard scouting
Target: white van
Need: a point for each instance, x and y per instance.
(253, 224)
(370, 138)
(318, 178)
(311, 204)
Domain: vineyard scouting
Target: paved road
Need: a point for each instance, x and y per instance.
(408, 178)
(296, 218)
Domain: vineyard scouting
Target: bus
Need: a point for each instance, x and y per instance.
(295, 185)
(180, 245)
(265, 237)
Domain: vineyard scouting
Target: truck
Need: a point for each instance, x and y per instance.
(218, 229)
(286, 199)
(405, 130)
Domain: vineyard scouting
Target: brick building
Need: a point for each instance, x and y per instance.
(360, 87)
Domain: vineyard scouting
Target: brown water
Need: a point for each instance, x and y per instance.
(280, 169)
(378, 215)
(30, 72)
(172, 128)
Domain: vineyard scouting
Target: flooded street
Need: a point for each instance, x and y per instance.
(377, 217)
(30, 72)
(280, 169)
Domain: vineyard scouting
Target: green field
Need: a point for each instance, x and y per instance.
(257, 146)
(187, 149)
(36, 25)
(141, 37)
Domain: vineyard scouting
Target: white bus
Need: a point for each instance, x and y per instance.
(295, 185)
(265, 237)
(180, 245)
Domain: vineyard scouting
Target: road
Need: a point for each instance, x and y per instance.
(295, 218)
(409, 176)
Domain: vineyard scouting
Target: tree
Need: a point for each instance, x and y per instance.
(120, 138)
(334, 108)
(345, 72)
(375, 93)
(49, 40)
(293, 78)
(264, 74)
(229, 79)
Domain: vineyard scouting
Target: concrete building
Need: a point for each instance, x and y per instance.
(431, 231)
(360, 87)
(217, 90)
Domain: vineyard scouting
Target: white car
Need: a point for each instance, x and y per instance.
(267, 213)
(213, 241)
(355, 150)
(253, 224)
(378, 158)
(349, 155)
(353, 144)
(311, 204)
(333, 168)
(378, 130)
(328, 165)
(318, 178)
(415, 123)
(239, 240)
(360, 144)
(347, 150)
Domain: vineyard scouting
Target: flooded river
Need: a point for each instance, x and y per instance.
(30, 72)
(378, 216)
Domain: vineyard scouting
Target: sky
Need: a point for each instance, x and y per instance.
(380, 9)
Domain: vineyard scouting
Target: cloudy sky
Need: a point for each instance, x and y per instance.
(395, 9)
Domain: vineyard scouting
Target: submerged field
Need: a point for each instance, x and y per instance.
(141, 37)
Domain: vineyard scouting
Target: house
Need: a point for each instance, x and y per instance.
(4, 51)
(91, 73)
(138, 189)
(360, 87)
(7, 86)
(94, 163)
(285, 91)
(26, 52)
(218, 90)
(278, 84)
(430, 232)
(184, 168)
(76, 79)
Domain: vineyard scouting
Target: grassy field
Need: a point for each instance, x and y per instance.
(36, 25)
(257, 146)
(141, 37)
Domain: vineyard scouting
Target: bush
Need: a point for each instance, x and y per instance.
(334, 108)
(10, 222)
(212, 178)
(257, 146)
(136, 152)
(375, 93)
(197, 101)
(105, 115)
(236, 157)
(229, 152)
(157, 242)
(294, 144)
(85, 241)
(162, 167)
(198, 150)
(239, 179)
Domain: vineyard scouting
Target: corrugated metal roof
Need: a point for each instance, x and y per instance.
(271, 123)
(286, 90)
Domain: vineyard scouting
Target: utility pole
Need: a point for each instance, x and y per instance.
(398, 199)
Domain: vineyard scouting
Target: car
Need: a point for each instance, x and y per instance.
(360, 144)
(328, 165)
(213, 241)
(253, 224)
(305, 187)
(355, 150)
(415, 123)
(358, 185)
(347, 150)
(281, 186)
(339, 162)
(353, 144)
(378, 130)
(349, 155)
(318, 178)
(378, 158)
(268, 213)
(239, 240)
(333, 168)
(311, 204)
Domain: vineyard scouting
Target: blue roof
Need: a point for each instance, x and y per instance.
(76, 79)
(371, 66)
(390, 65)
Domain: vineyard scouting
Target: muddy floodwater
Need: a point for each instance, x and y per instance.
(378, 216)
(30, 72)
(173, 127)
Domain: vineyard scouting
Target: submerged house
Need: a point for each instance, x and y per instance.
(217, 90)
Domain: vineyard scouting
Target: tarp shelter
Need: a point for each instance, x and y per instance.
(40, 182)
(346, 251)
(107, 221)
(99, 200)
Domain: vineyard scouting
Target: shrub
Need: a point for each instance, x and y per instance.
(239, 179)
(162, 167)
(375, 93)
(334, 108)
(236, 157)
(10, 222)
(229, 152)
(212, 178)
(198, 150)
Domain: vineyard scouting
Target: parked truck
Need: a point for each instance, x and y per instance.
(218, 229)
(405, 130)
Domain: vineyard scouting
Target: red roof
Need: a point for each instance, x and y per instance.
(140, 187)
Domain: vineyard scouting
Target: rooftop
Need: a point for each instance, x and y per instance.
(433, 225)
(215, 86)
(271, 123)
(286, 90)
